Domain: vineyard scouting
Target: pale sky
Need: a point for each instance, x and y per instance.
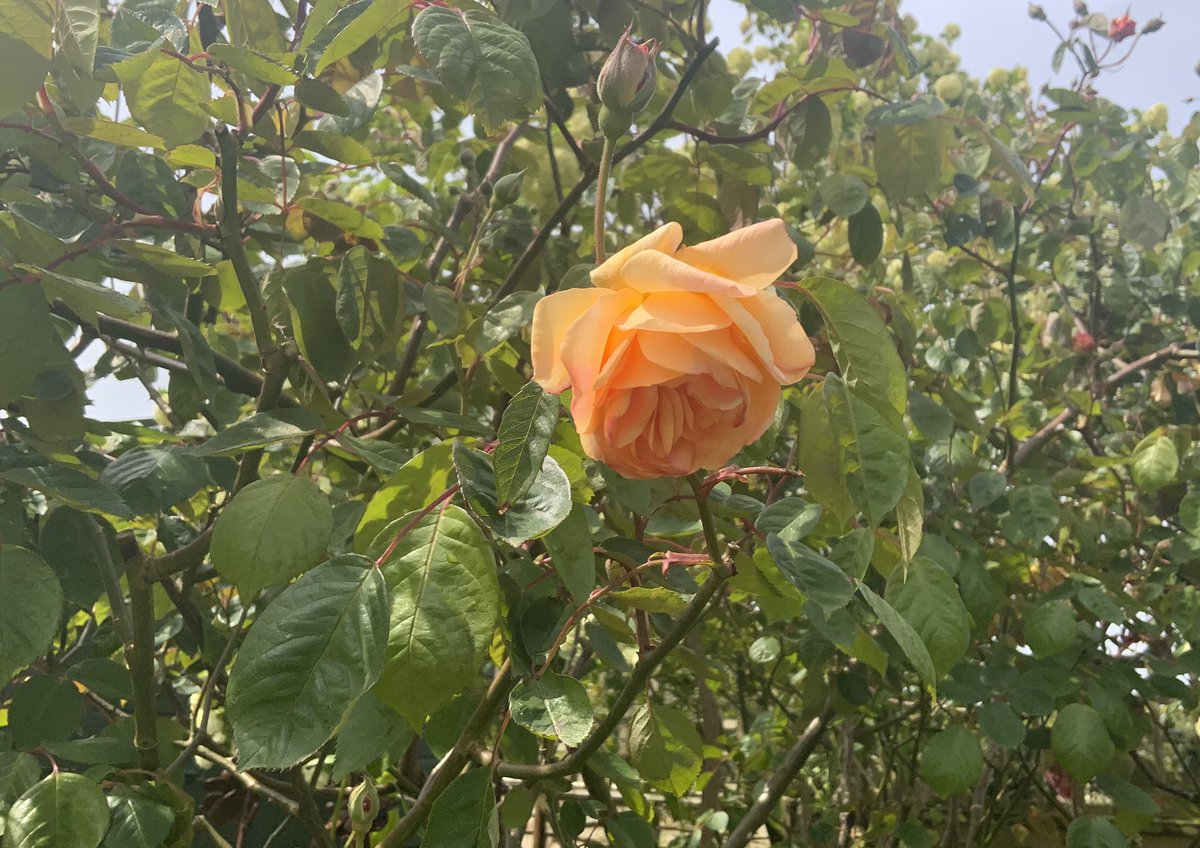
(995, 33)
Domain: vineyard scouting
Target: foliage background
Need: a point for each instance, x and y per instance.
(954, 603)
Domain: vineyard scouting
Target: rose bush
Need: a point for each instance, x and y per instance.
(676, 355)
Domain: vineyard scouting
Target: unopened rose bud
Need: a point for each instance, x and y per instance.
(1037, 12)
(1153, 25)
(627, 80)
(507, 189)
(364, 807)
(1081, 8)
(1121, 28)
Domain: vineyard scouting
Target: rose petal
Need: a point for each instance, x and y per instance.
(552, 316)
(676, 312)
(666, 239)
(754, 255)
(583, 348)
(657, 272)
(771, 327)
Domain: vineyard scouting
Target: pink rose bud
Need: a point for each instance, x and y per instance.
(628, 78)
(1121, 28)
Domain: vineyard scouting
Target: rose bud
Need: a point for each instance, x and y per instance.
(1121, 28)
(1081, 8)
(508, 189)
(1084, 343)
(628, 78)
(1037, 12)
(1153, 25)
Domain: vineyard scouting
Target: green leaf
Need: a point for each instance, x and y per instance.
(310, 654)
(445, 600)
(162, 259)
(340, 148)
(317, 95)
(1002, 725)
(260, 430)
(818, 458)
(370, 731)
(168, 99)
(1127, 796)
(349, 218)
(254, 63)
(909, 158)
(554, 707)
(925, 595)
(480, 59)
(862, 345)
(62, 811)
(68, 542)
(910, 515)
(71, 487)
(272, 531)
(906, 112)
(1009, 160)
(1144, 221)
(1050, 628)
(1155, 462)
(28, 340)
(137, 821)
(86, 299)
(570, 548)
(627, 829)
(525, 432)
(121, 135)
(44, 711)
(26, 45)
(1080, 741)
(844, 195)
(378, 19)
(1091, 832)
(951, 761)
(656, 599)
(502, 322)
(986, 487)
(418, 483)
(370, 303)
(1032, 514)
(872, 456)
(535, 514)
(153, 478)
(821, 580)
(464, 816)
(665, 748)
(18, 772)
(865, 233)
(31, 606)
(906, 637)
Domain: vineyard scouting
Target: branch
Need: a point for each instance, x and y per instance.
(453, 762)
(778, 782)
(633, 687)
(1175, 350)
(139, 654)
(237, 377)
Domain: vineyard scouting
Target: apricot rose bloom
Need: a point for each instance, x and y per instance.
(676, 355)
